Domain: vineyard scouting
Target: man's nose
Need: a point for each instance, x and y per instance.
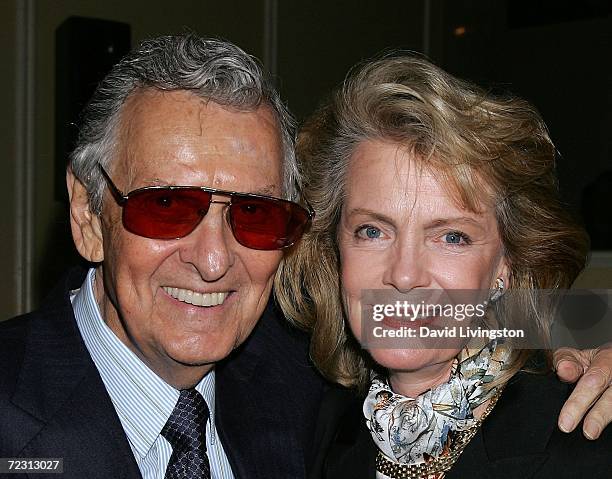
(407, 269)
(208, 247)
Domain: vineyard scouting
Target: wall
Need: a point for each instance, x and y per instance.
(320, 40)
(9, 292)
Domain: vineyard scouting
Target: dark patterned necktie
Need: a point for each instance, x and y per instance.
(186, 432)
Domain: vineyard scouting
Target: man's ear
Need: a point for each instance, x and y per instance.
(85, 225)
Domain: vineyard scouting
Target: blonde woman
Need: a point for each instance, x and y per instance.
(423, 182)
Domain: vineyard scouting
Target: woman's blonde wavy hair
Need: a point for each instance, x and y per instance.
(476, 141)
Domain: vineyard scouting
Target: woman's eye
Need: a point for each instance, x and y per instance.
(369, 232)
(455, 237)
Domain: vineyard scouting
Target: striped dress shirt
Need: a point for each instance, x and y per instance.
(142, 399)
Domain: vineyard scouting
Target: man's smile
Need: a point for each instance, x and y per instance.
(196, 298)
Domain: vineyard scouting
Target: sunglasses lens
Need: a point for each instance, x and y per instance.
(164, 213)
(172, 213)
(267, 224)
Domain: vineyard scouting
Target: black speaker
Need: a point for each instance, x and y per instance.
(85, 51)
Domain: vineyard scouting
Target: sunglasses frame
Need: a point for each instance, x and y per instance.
(122, 198)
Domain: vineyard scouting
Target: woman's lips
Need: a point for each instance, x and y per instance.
(395, 322)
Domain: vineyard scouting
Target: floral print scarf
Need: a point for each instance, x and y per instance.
(411, 430)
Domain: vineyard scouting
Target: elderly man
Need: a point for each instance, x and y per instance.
(104, 374)
(165, 359)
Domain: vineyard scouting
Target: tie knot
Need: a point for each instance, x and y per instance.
(186, 426)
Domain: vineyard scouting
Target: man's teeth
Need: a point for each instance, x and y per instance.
(195, 298)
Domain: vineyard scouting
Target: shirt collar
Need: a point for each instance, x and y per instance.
(142, 399)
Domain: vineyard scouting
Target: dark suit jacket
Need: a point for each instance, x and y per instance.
(519, 439)
(53, 403)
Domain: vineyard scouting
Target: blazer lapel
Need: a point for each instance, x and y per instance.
(59, 386)
(512, 441)
(475, 463)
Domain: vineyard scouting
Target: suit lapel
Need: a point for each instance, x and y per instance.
(255, 408)
(343, 442)
(353, 454)
(60, 387)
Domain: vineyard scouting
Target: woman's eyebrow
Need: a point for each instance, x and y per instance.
(454, 220)
(372, 214)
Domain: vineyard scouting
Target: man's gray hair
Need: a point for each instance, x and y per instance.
(213, 69)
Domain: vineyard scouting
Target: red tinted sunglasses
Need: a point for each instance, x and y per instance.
(172, 212)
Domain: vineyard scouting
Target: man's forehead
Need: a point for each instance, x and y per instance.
(177, 138)
(167, 107)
